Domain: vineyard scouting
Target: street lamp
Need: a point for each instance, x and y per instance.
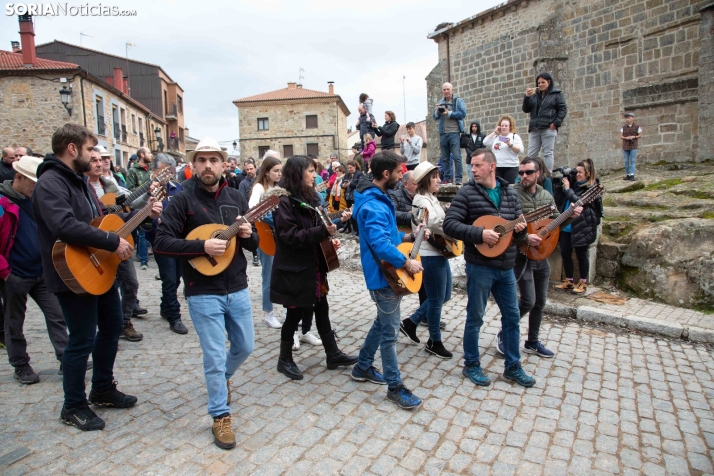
(235, 145)
(159, 143)
(64, 96)
(157, 133)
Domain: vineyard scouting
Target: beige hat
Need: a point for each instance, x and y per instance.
(27, 166)
(422, 170)
(335, 165)
(103, 152)
(207, 144)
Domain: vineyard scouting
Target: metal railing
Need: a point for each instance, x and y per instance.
(101, 126)
(141, 139)
(172, 111)
(123, 133)
(117, 131)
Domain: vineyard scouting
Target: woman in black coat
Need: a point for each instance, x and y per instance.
(582, 231)
(299, 277)
(474, 141)
(388, 130)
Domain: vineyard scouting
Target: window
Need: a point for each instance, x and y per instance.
(262, 123)
(117, 157)
(311, 122)
(133, 123)
(166, 104)
(287, 151)
(179, 100)
(101, 124)
(313, 149)
(262, 150)
(125, 156)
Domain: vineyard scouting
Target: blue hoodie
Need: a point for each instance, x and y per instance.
(377, 224)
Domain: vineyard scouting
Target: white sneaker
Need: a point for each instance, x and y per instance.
(282, 315)
(272, 321)
(310, 338)
(296, 342)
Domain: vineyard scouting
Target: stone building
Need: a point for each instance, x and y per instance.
(650, 57)
(31, 108)
(147, 83)
(293, 121)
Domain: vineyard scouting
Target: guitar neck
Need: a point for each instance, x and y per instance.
(539, 213)
(131, 197)
(417, 243)
(251, 216)
(135, 221)
(587, 197)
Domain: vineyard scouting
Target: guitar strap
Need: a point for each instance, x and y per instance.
(385, 273)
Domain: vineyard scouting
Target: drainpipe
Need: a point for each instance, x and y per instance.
(448, 59)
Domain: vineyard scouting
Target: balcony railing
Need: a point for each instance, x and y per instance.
(141, 139)
(117, 131)
(172, 112)
(123, 133)
(101, 126)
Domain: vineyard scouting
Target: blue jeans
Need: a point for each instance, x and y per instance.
(170, 273)
(83, 314)
(213, 316)
(480, 282)
(437, 284)
(630, 157)
(383, 335)
(450, 144)
(142, 248)
(266, 264)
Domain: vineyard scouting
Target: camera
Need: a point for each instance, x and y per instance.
(442, 109)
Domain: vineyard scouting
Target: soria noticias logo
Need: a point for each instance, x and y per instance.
(65, 9)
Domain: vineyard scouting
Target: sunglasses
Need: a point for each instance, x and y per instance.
(526, 172)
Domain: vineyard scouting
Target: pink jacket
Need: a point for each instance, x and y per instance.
(8, 228)
(369, 151)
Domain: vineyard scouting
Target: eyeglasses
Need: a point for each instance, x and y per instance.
(526, 172)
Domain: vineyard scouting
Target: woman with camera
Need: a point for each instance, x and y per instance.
(506, 145)
(582, 231)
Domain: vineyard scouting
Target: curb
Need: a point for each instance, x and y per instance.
(644, 324)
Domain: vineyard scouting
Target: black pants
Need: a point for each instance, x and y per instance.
(129, 285)
(566, 252)
(533, 287)
(297, 314)
(170, 272)
(508, 174)
(353, 222)
(16, 290)
(411, 166)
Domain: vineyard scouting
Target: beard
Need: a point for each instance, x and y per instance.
(81, 165)
(391, 183)
(208, 179)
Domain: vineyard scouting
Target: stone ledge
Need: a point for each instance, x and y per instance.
(697, 334)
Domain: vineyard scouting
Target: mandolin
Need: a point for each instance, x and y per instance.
(87, 270)
(400, 280)
(549, 229)
(209, 265)
(326, 245)
(505, 229)
(110, 199)
(267, 238)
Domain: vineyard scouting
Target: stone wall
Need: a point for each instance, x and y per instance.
(286, 126)
(608, 57)
(706, 84)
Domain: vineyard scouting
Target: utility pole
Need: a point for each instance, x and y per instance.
(82, 35)
(128, 45)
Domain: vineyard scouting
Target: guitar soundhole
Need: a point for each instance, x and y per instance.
(499, 229)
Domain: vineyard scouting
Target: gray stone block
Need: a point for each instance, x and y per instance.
(697, 334)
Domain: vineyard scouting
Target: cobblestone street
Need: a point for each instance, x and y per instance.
(610, 402)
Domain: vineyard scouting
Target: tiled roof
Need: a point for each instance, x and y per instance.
(288, 93)
(13, 61)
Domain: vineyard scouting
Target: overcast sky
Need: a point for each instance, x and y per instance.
(239, 48)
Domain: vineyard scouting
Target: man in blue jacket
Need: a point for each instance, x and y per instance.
(450, 112)
(379, 238)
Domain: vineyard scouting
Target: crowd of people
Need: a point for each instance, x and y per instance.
(378, 196)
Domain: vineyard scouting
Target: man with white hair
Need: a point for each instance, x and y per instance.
(450, 113)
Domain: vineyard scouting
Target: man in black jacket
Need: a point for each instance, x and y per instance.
(402, 199)
(488, 195)
(220, 303)
(65, 206)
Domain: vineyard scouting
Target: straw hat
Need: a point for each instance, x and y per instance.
(422, 170)
(103, 152)
(207, 144)
(27, 166)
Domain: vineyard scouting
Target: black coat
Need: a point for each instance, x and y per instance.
(472, 145)
(365, 125)
(387, 133)
(552, 109)
(584, 228)
(298, 233)
(64, 205)
(472, 202)
(189, 210)
(403, 206)
(7, 172)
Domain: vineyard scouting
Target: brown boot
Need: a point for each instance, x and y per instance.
(566, 284)
(130, 334)
(228, 384)
(580, 288)
(223, 435)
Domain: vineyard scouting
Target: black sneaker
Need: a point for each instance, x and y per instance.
(436, 347)
(499, 344)
(255, 261)
(178, 327)
(408, 328)
(26, 375)
(112, 398)
(139, 311)
(83, 418)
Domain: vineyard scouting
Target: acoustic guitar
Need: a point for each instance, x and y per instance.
(110, 199)
(326, 245)
(448, 247)
(549, 229)
(505, 229)
(400, 280)
(87, 270)
(209, 265)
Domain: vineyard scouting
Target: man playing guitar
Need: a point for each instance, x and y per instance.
(221, 303)
(65, 205)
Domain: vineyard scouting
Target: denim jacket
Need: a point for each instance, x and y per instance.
(458, 113)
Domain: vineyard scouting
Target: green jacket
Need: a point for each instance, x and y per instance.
(540, 199)
(136, 176)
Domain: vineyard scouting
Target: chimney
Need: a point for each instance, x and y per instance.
(126, 85)
(331, 87)
(292, 85)
(118, 79)
(185, 131)
(15, 46)
(27, 37)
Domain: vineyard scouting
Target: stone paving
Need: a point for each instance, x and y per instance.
(610, 402)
